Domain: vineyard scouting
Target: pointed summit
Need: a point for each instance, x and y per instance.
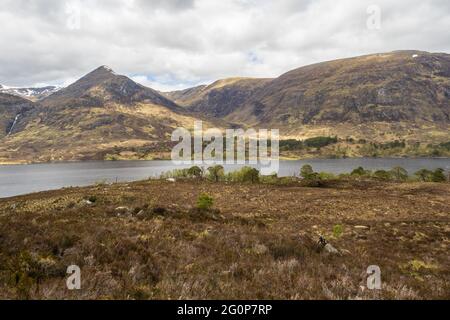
(104, 69)
(102, 73)
(102, 86)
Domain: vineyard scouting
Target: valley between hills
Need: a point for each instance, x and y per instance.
(394, 104)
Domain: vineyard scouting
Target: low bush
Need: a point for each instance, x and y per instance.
(361, 172)
(337, 230)
(205, 202)
(245, 174)
(399, 173)
(438, 175)
(216, 173)
(382, 175)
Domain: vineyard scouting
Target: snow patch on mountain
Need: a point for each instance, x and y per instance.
(30, 93)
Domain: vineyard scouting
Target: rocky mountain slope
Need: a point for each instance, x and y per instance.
(102, 87)
(101, 114)
(380, 96)
(11, 108)
(220, 98)
(399, 86)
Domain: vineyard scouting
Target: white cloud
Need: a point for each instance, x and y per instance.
(174, 44)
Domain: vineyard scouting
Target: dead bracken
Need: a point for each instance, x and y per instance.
(197, 239)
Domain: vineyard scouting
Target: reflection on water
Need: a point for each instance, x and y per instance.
(23, 179)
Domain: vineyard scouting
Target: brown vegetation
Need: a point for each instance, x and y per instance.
(149, 240)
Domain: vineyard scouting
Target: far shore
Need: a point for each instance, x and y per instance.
(282, 158)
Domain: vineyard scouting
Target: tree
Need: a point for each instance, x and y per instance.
(359, 172)
(195, 172)
(307, 172)
(382, 175)
(250, 174)
(216, 172)
(424, 174)
(399, 173)
(438, 175)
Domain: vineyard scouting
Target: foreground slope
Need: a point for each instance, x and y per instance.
(143, 240)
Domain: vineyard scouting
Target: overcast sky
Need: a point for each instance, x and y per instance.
(173, 44)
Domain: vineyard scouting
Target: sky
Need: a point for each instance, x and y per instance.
(175, 44)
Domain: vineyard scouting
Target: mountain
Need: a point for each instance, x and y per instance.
(103, 86)
(102, 115)
(378, 98)
(32, 94)
(400, 86)
(392, 95)
(220, 98)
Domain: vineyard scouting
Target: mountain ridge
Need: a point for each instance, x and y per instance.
(30, 93)
(100, 115)
(401, 95)
(358, 89)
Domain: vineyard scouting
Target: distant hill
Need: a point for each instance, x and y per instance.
(409, 86)
(379, 96)
(32, 94)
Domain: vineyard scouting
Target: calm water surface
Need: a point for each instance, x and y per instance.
(23, 179)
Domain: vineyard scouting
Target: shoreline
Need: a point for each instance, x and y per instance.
(23, 162)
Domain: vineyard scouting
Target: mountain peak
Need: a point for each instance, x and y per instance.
(105, 68)
(102, 72)
(103, 85)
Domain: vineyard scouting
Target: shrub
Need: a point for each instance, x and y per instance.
(424, 175)
(360, 171)
(270, 179)
(245, 174)
(195, 172)
(205, 202)
(216, 172)
(399, 173)
(337, 230)
(250, 175)
(326, 176)
(307, 172)
(92, 199)
(438, 175)
(382, 175)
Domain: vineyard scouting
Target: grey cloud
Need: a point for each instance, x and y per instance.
(185, 42)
